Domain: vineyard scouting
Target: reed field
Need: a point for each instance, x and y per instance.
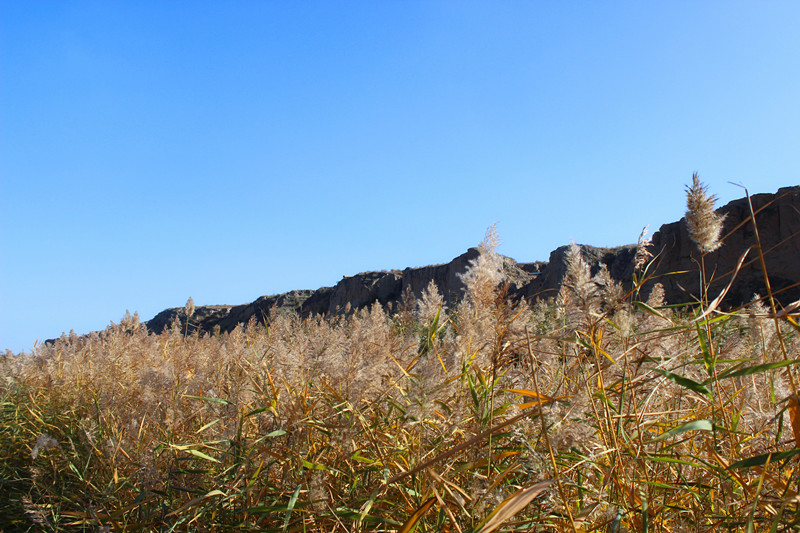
(601, 409)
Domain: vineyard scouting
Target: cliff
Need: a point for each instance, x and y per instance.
(777, 215)
(778, 221)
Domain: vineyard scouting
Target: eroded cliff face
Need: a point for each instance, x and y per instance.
(778, 217)
(778, 220)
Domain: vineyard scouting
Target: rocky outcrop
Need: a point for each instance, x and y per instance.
(204, 315)
(675, 267)
(547, 282)
(778, 220)
(351, 293)
(226, 317)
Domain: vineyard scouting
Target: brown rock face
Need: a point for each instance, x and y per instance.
(548, 276)
(778, 220)
(777, 216)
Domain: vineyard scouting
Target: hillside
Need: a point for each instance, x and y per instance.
(777, 214)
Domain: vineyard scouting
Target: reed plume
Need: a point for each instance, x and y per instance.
(705, 226)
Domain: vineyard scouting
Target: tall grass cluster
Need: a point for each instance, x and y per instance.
(602, 409)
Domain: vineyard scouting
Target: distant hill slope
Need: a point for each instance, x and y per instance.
(778, 217)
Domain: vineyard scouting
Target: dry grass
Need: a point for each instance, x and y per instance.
(592, 412)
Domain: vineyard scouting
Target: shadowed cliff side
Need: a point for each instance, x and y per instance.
(778, 220)
(778, 217)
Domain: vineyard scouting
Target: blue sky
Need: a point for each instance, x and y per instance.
(152, 151)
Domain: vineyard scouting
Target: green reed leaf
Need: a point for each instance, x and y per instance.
(755, 369)
(201, 455)
(696, 425)
(759, 460)
(684, 382)
(290, 507)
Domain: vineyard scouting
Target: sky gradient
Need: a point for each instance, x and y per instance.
(153, 151)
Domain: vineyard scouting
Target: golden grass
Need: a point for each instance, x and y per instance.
(591, 412)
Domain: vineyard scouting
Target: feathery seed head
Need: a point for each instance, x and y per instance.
(491, 240)
(485, 272)
(431, 303)
(578, 276)
(189, 308)
(704, 224)
(43, 442)
(643, 253)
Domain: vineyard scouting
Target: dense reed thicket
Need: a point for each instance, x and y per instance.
(592, 411)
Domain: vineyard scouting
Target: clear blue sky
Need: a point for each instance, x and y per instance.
(151, 151)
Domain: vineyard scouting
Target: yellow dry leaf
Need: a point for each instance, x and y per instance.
(537, 398)
(511, 506)
(794, 416)
(411, 523)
